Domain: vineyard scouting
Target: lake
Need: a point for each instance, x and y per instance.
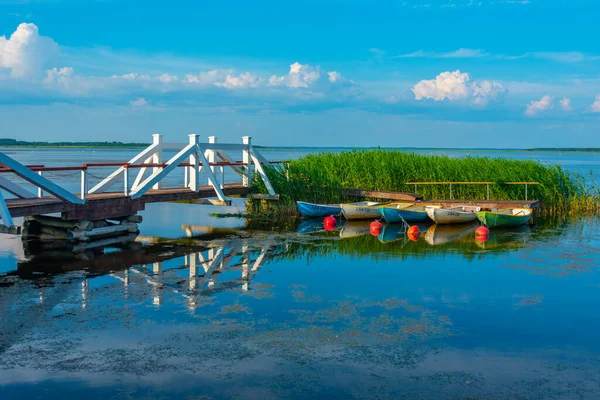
(305, 313)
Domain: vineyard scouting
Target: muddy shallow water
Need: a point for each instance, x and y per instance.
(338, 314)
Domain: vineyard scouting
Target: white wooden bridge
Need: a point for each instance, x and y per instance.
(141, 178)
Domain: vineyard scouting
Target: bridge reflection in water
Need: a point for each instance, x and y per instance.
(191, 271)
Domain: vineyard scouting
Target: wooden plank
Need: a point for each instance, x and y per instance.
(376, 194)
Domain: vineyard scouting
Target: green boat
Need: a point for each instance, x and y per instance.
(505, 217)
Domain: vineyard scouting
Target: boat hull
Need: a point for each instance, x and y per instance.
(317, 210)
(396, 215)
(497, 220)
(368, 210)
(450, 216)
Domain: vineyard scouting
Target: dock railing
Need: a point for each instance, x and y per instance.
(197, 158)
(475, 183)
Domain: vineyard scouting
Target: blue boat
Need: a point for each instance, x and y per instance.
(318, 210)
(393, 214)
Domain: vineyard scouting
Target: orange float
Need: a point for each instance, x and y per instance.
(375, 228)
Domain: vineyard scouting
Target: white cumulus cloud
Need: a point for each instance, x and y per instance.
(536, 107)
(595, 107)
(140, 101)
(565, 104)
(25, 53)
(305, 76)
(457, 86)
(241, 81)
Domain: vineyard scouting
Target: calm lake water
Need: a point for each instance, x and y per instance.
(231, 313)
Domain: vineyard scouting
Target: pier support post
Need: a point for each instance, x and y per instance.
(157, 158)
(247, 160)
(194, 161)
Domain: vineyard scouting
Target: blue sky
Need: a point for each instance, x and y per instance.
(432, 73)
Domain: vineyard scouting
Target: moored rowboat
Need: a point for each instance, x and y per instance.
(505, 217)
(362, 210)
(317, 210)
(398, 213)
(453, 215)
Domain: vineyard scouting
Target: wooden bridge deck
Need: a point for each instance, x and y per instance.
(112, 204)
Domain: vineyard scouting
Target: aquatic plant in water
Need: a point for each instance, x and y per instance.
(320, 177)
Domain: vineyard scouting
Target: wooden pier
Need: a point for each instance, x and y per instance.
(419, 200)
(102, 212)
(112, 204)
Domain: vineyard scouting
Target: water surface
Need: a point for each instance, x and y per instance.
(339, 314)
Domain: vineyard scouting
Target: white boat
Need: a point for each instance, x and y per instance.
(362, 210)
(453, 215)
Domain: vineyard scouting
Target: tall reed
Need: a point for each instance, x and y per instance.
(320, 177)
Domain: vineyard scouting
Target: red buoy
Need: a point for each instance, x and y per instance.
(413, 230)
(376, 227)
(413, 233)
(482, 238)
(329, 223)
(482, 231)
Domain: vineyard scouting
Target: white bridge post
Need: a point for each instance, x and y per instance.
(210, 154)
(40, 190)
(247, 160)
(194, 183)
(157, 157)
(84, 183)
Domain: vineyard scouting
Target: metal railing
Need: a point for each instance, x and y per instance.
(475, 183)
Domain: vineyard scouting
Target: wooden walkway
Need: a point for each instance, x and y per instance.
(112, 204)
(419, 200)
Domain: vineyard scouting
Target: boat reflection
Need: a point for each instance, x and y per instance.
(515, 237)
(392, 233)
(442, 234)
(310, 225)
(355, 228)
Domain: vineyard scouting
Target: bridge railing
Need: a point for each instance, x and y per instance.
(197, 158)
(194, 156)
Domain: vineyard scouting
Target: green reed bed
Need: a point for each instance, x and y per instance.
(320, 177)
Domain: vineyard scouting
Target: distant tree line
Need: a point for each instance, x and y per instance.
(565, 149)
(5, 142)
